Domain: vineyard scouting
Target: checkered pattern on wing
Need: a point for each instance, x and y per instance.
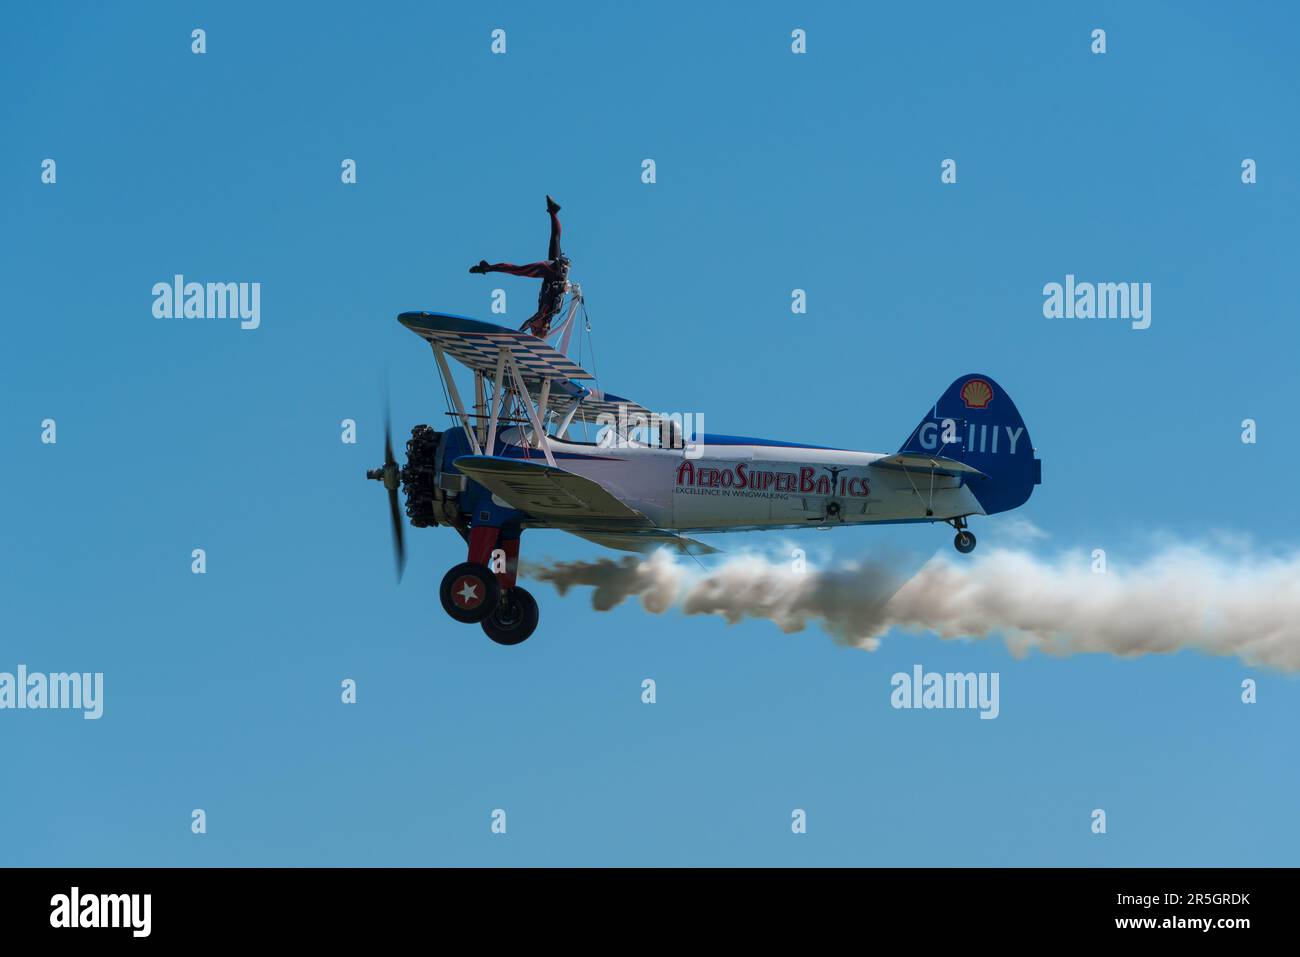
(478, 351)
(592, 407)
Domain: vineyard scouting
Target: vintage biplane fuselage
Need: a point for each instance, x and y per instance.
(511, 462)
(730, 483)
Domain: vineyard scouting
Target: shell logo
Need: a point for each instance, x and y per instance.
(977, 394)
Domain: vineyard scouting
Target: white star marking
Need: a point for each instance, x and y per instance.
(467, 592)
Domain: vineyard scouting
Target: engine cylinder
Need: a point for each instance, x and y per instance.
(419, 476)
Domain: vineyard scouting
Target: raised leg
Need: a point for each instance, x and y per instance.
(553, 250)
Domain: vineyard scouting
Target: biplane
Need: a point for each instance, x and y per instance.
(512, 460)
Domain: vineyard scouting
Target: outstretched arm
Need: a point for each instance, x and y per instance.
(532, 270)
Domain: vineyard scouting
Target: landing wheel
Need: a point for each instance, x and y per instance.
(469, 592)
(513, 619)
(964, 542)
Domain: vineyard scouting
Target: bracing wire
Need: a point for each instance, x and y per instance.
(591, 342)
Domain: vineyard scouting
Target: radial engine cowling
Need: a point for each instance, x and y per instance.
(419, 477)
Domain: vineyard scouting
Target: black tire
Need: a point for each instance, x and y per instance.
(469, 592)
(514, 618)
(964, 542)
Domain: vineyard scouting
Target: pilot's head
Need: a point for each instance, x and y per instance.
(562, 264)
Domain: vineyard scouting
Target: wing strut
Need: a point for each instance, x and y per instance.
(567, 419)
(498, 393)
(539, 432)
(455, 399)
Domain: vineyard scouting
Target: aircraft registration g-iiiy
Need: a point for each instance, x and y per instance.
(511, 464)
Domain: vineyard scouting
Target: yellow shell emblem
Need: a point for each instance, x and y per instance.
(977, 394)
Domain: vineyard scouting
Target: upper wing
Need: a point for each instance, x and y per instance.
(476, 344)
(572, 503)
(938, 464)
(592, 402)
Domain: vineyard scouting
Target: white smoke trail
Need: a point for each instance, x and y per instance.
(1180, 598)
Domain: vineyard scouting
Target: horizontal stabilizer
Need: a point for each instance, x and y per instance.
(920, 462)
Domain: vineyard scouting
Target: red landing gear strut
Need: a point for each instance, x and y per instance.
(482, 589)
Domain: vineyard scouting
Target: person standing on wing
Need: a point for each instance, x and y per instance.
(552, 271)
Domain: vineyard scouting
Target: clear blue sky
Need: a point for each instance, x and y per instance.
(775, 171)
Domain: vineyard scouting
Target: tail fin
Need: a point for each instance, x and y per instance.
(976, 422)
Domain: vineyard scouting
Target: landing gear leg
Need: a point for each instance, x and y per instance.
(964, 541)
(482, 590)
(515, 616)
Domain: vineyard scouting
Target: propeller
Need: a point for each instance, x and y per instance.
(391, 476)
